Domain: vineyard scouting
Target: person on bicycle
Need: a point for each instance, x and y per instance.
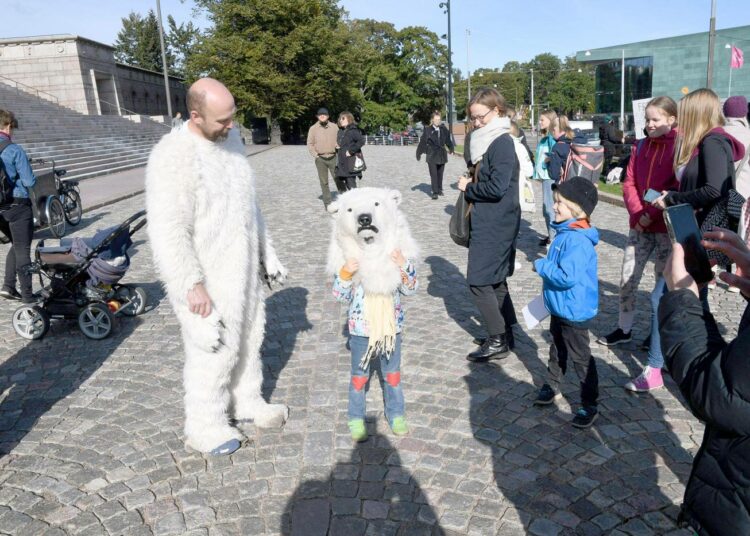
(16, 216)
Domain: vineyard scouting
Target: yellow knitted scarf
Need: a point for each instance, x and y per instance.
(381, 321)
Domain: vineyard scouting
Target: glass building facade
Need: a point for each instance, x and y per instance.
(638, 83)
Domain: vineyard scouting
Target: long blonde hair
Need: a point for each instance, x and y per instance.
(552, 116)
(699, 112)
(563, 125)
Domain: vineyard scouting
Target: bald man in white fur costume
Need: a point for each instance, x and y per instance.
(373, 256)
(210, 246)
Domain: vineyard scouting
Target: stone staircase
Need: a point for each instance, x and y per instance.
(84, 145)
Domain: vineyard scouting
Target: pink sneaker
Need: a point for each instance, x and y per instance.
(649, 379)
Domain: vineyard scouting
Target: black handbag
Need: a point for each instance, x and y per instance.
(725, 213)
(460, 224)
(358, 166)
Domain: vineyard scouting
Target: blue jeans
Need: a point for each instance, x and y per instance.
(389, 374)
(655, 357)
(547, 201)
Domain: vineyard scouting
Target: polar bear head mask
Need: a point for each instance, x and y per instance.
(368, 226)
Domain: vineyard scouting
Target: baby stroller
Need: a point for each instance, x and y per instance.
(79, 280)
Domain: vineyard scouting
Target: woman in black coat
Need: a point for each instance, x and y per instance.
(433, 143)
(714, 378)
(350, 141)
(495, 221)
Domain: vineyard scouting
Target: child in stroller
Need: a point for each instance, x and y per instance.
(80, 279)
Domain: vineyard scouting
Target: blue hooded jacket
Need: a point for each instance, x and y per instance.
(569, 273)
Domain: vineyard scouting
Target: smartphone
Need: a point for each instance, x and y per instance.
(683, 229)
(651, 195)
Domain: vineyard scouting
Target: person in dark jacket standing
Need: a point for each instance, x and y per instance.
(350, 142)
(16, 217)
(495, 221)
(433, 143)
(714, 378)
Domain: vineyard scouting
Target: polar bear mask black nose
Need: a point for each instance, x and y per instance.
(364, 220)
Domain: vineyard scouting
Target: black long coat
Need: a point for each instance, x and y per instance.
(495, 215)
(433, 144)
(714, 378)
(351, 140)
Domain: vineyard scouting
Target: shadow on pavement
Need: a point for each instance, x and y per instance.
(286, 318)
(371, 493)
(44, 372)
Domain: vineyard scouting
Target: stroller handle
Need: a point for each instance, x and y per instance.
(124, 225)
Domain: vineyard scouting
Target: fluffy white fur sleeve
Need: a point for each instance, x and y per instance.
(170, 205)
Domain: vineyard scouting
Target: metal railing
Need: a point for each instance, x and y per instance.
(392, 140)
(121, 111)
(29, 89)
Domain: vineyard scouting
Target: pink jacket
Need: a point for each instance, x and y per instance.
(649, 167)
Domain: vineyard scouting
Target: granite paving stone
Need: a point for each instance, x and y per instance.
(91, 432)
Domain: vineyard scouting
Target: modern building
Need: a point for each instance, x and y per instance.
(83, 75)
(671, 66)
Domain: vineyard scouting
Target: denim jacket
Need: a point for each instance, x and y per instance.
(17, 167)
(344, 291)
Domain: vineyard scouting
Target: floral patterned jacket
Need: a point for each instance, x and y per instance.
(344, 291)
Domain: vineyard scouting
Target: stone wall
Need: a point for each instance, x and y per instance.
(84, 76)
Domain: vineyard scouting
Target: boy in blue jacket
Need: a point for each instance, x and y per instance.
(571, 295)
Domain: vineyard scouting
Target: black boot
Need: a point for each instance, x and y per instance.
(495, 347)
(509, 338)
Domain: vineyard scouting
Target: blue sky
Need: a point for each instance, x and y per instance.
(501, 30)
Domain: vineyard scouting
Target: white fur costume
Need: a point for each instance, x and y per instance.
(204, 225)
(377, 273)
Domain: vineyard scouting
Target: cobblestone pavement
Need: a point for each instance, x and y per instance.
(91, 440)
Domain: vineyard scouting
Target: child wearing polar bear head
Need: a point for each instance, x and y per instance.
(372, 256)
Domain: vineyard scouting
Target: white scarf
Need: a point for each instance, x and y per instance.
(481, 138)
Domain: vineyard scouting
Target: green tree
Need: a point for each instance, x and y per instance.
(138, 42)
(573, 89)
(181, 41)
(280, 58)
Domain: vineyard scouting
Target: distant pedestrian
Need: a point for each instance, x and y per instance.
(433, 143)
(177, 121)
(16, 216)
(547, 121)
(735, 112)
(511, 113)
(495, 221)
(321, 143)
(609, 137)
(350, 143)
(650, 167)
(571, 295)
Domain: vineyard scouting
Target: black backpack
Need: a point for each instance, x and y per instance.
(6, 185)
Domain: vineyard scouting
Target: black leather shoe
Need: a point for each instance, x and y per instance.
(494, 347)
(509, 338)
(434, 196)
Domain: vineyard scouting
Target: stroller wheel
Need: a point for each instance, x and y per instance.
(96, 321)
(133, 299)
(31, 322)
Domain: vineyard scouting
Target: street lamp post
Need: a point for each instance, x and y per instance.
(164, 59)
(622, 92)
(447, 6)
(729, 90)
(468, 70)
(711, 43)
(533, 125)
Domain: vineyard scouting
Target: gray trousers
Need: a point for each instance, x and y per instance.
(325, 166)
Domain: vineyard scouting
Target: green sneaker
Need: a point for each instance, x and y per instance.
(399, 426)
(358, 430)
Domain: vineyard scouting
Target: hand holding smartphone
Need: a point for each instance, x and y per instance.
(683, 229)
(651, 195)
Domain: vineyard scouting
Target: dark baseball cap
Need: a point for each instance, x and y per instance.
(580, 191)
(322, 111)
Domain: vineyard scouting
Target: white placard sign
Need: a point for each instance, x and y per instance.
(639, 117)
(535, 312)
